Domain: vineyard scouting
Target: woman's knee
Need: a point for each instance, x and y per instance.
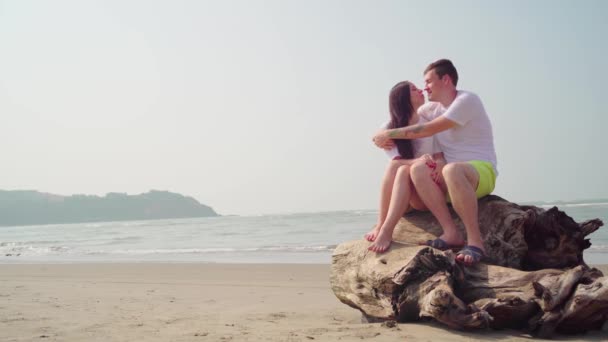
(420, 169)
(394, 165)
(403, 171)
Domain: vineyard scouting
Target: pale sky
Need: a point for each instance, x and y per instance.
(258, 107)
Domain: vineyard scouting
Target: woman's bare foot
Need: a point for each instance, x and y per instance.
(382, 243)
(371, 236)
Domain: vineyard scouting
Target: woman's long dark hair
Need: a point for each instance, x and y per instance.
(401, 109)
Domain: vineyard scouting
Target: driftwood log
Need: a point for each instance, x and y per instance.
(534, 277)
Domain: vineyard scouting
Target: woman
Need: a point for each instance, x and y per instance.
(397, 191)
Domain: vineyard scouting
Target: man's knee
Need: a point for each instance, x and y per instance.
(454, 172)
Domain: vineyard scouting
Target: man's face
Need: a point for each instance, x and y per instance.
(433, 85)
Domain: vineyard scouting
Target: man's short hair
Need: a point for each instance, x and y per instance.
(444, 67)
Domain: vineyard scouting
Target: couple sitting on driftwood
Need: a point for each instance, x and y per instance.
(442, 151)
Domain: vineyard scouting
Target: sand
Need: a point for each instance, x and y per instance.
(196, 302)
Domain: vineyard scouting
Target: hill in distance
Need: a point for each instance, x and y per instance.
(29, 207)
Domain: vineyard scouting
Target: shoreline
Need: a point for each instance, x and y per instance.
(197, 302)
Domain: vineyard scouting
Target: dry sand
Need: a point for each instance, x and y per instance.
(196, 302)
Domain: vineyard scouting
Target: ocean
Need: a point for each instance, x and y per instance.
(286, 238)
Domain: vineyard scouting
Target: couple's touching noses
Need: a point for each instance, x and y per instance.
(442, 151)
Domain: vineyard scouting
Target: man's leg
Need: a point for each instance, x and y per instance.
(462, 180)
(434, 199)
(385, 196)
(400, 198)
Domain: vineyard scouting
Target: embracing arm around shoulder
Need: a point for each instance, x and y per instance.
(384, 138)
(422, 130)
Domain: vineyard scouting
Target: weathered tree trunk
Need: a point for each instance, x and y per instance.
(522, 237)
(410, 282)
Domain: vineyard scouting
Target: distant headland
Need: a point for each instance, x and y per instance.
(29, 207)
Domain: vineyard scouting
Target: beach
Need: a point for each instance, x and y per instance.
(234, 278)
(197, 302)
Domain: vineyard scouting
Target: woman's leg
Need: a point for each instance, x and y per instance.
(385, 195)
(433, 196)
(399, 201)
(416, 201)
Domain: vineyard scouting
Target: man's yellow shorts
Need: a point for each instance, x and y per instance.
(487, 178)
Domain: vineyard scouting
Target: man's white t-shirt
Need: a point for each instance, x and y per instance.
(420, 146)
(472, 139)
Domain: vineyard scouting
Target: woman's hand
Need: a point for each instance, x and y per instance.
(436, 164)
(439, 163)
(436, 174)
(428, 160)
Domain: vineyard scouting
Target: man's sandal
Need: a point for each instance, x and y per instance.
(441, 244)
(475, 253)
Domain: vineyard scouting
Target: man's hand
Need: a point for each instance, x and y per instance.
(382, 140)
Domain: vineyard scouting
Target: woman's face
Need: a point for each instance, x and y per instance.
(416, 96)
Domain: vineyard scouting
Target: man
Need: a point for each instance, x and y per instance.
(464, 134)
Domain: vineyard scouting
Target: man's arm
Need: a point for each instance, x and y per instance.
(464, 107)
(423, 130)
